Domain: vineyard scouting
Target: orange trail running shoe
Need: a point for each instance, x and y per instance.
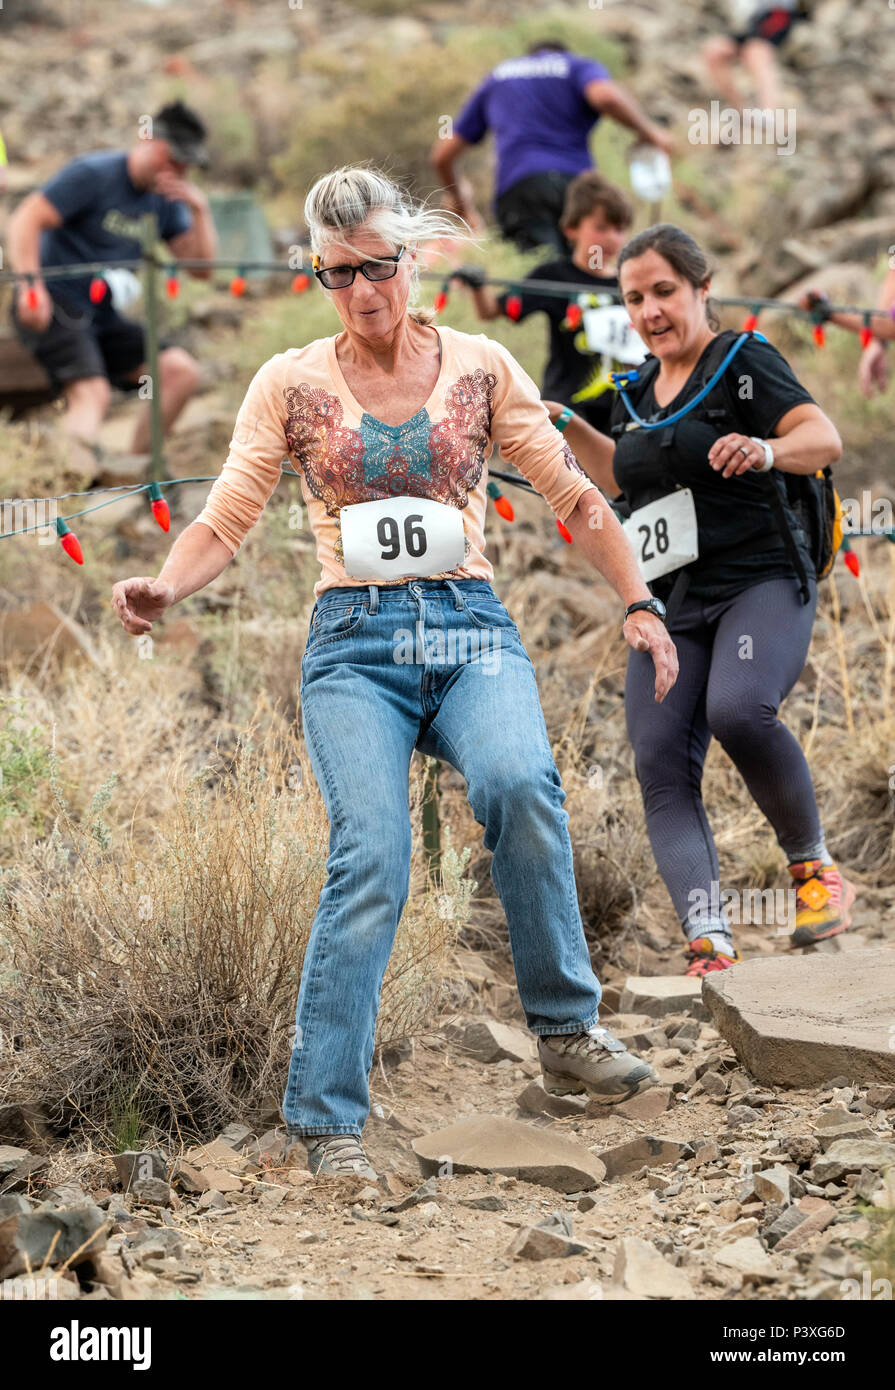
(704, 956)
(823, 902)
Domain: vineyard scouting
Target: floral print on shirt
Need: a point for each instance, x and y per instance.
(440, 460)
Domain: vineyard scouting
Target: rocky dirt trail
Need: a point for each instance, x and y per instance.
(713, 1185)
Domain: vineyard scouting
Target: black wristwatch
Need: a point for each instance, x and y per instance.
(650, 605)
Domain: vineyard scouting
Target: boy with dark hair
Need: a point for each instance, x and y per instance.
(596, 219)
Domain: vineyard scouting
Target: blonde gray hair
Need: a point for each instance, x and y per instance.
(342, 202)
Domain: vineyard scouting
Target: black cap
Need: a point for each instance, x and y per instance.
(183, 131)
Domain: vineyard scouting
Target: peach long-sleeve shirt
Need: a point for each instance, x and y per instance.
(298, 408)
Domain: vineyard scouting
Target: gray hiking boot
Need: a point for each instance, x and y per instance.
(334, 1155)
(595, 1062)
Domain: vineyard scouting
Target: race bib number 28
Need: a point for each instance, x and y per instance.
(397, 536)
(664, 534)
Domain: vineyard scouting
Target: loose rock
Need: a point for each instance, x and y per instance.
(644, 1272)
(628, 1158)
(26, 1240)
(490, 1041)
(660, 995)
(534, 1100)
(749, 1259)
(492, 1144)
(850, 1156)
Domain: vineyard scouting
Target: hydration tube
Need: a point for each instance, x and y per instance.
(618, 378)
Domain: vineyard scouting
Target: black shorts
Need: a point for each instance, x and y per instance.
(528, 212)
(771, 25)
(78, 344)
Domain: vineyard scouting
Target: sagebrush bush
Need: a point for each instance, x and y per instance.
(158, 990)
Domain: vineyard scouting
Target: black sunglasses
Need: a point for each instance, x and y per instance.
(339, 277)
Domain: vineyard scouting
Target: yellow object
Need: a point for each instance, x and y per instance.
(815, 894)
(597, 383)
(3, 159)
(837, 532)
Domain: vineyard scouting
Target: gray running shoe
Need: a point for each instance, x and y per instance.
(595, 1062)
(334, 1155)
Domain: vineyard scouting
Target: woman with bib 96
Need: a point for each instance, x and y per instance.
(703, 443)
(390, 423)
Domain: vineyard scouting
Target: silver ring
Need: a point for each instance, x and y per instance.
(744, 450)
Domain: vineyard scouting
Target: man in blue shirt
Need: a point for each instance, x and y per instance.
(91, 211)
(541, 108)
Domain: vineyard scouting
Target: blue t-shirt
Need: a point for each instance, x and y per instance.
(101, 209)
(536, 107)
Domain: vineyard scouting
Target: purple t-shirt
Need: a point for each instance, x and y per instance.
(535, 105)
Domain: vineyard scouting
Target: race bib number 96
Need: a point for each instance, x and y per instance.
(397, 536)
(664, 534)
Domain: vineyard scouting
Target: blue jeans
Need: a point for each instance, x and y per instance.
(439, 666)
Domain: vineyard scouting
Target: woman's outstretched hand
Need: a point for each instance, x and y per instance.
(138, 602)
(644, 632)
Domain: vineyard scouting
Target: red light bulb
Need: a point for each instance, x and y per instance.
(514, 308)
(820, 336)
(504, 507)
(852, 563)
(31, 297)
(441, 300)
(72, 547)
(161, 513)
(300, 283)
(750, 323)
(573, 316)
(172, 286)
(866, 337)
(97, 290)
(238, 285)
(564, 532)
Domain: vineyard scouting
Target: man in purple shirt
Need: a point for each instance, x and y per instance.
(542, 108)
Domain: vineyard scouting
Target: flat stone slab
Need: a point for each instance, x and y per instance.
(493, 1144)
(799, 1020)
(658, 995)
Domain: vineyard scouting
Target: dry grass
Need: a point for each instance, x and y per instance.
(154, 992)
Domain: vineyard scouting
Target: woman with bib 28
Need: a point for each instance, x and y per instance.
(390, 423)
(703, 438)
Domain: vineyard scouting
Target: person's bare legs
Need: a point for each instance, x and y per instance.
(86, 403)
(720, 56)
(179, 379)
(760, 61)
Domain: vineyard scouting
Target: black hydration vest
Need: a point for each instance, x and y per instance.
(695, 433)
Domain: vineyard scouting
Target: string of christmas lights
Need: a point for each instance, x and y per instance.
(302, 281)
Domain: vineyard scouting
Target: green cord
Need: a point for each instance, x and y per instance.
(128, 489)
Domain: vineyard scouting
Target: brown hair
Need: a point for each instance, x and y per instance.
(681, 252)
(590, 191)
